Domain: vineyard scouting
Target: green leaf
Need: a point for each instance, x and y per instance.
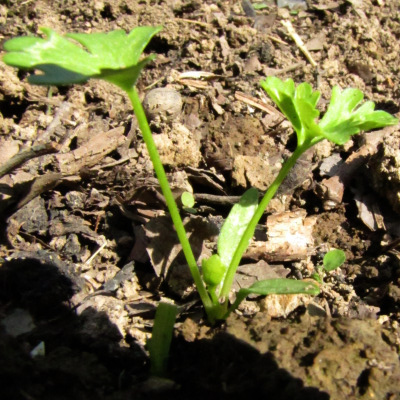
(259, 6)
(333, 259)
(342, 119)
(282, 286)
(297, 104)
(213, 270)
(187, 199)
(317, 277)
(77, 57)
(282, 93)
(340, 122)
(277, 286)
(235, 225)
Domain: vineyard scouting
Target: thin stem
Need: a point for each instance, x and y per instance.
(169, 198)
(251, 227)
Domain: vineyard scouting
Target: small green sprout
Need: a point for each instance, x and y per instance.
(188, 201)
(213, 270)
(117, 58)
(161, 337)
(332, 260)
(260, 6)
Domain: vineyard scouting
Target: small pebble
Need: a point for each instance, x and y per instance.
(162, 102)
(293, 4)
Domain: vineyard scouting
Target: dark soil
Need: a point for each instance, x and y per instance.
(87, 249)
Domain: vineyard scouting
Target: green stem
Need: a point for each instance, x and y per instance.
(251, 227)
(169, 198)
(161, 337)
(214, 297)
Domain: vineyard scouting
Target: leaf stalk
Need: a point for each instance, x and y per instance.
(169, 198)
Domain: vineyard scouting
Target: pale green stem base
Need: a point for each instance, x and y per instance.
(161, 337)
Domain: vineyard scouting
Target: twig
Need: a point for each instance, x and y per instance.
(252, 101)
(111, 164)
(190, 21)
(36, 187)
(98, 251)
(25, 155)
(299, 42)
(216, 199)
(276, 39)
(290, 68)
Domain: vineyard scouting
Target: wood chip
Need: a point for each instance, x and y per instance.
(195, 83)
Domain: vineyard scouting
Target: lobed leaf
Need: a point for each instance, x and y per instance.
(342, 119)
(282, 93)
(297, 104)
(77, 57)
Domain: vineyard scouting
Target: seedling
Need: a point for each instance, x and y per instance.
(188, 202)
(332, 260)
(116, 58)
(161, 337)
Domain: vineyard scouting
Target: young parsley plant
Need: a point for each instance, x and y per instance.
(116, 57)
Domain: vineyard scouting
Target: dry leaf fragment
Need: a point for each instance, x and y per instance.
(290, 237)
(91, 153)
(281, 305)
(249, 273)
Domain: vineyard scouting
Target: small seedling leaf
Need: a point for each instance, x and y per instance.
(282, 93)
(278, 286)
(260, 6)
(77, 57)
(187, 199)
(235, 225)
(333, 259)
(282, 286)
(317, 277)
(213, 270)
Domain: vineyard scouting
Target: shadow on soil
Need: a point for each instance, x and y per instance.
(84, 358)
(228, 368)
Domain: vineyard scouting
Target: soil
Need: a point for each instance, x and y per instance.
(87, 249)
